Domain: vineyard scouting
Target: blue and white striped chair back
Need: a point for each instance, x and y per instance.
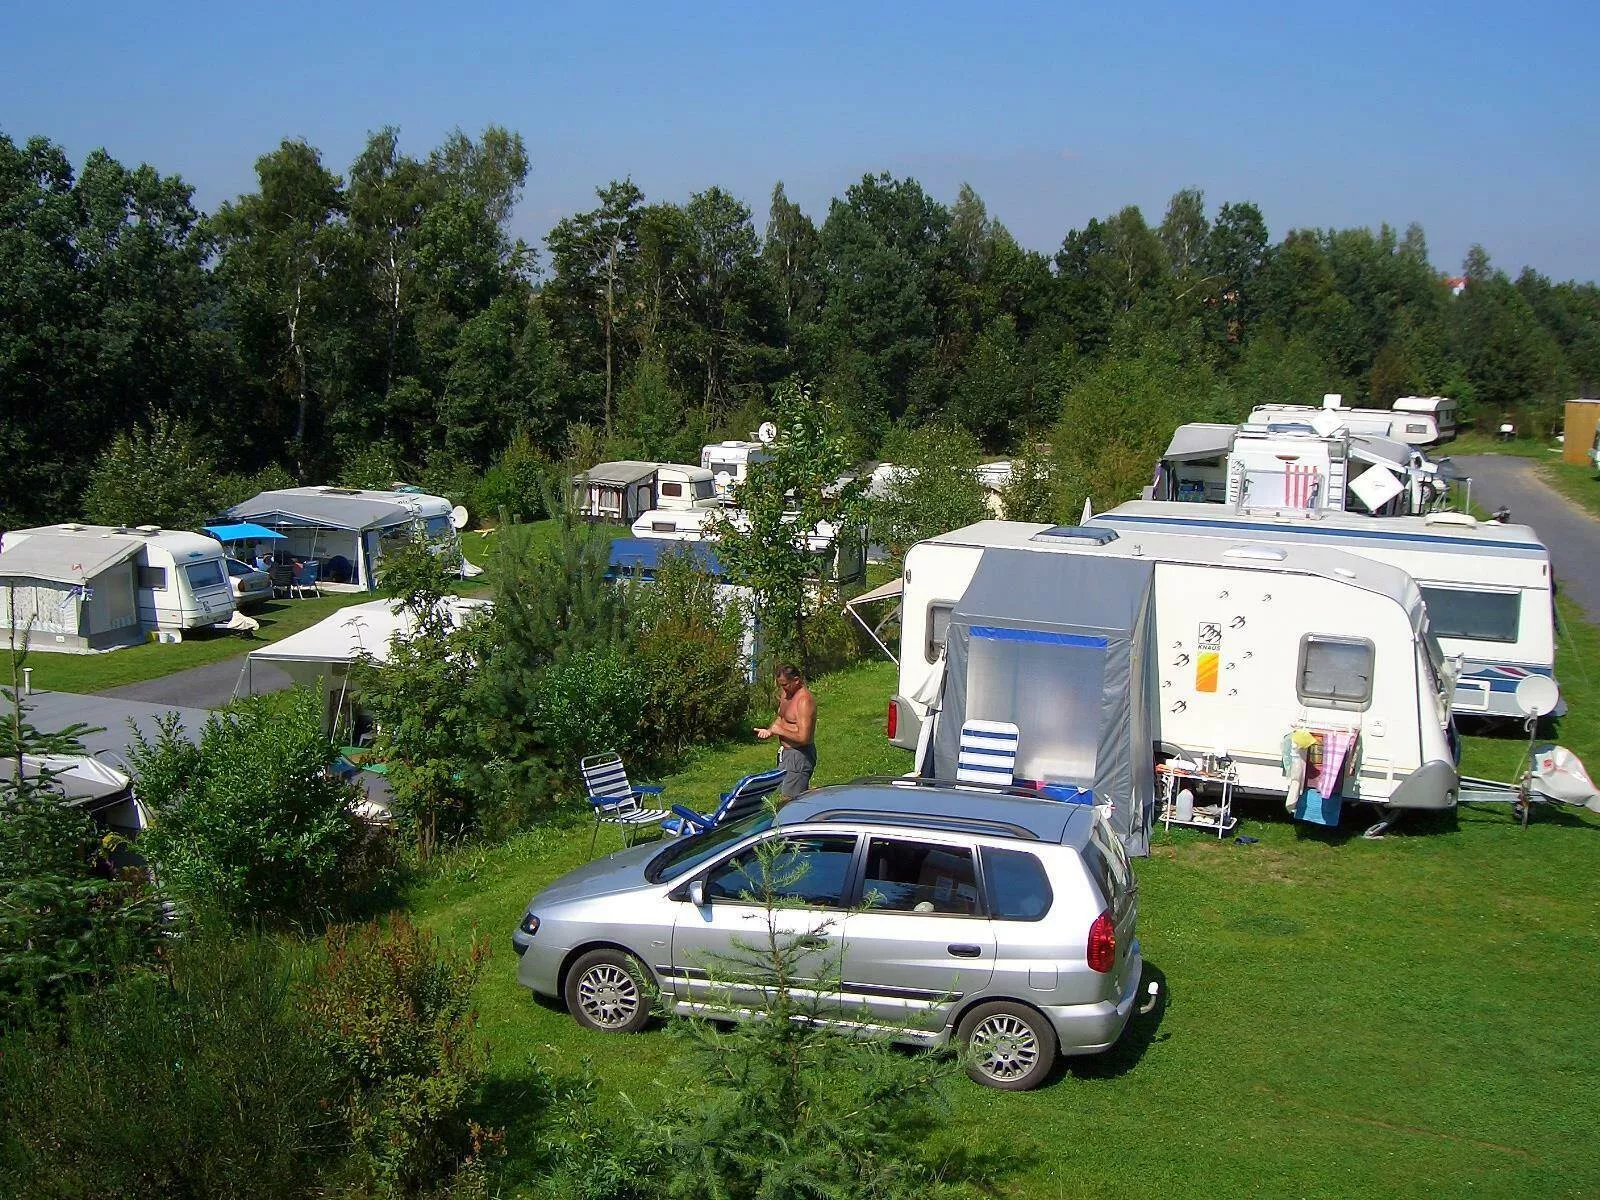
(748, 795)
(988, 753)
(604, 775)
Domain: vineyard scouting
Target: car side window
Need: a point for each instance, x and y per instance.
(814, 871)
(916, 877)
(1015, 885)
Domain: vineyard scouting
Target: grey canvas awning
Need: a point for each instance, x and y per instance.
(63, 558)
(1381, 450)
(326, 509)
(1198, 441)
(1057, 645)
(618, 474)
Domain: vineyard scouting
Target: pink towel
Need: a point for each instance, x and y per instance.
(1335, 747)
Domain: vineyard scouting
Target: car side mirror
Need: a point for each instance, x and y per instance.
(697, 893)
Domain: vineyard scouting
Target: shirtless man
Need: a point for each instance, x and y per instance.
(795, 726)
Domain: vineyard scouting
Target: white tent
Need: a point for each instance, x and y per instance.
(321, 655)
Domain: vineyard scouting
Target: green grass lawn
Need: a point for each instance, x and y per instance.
(1487, 443)
(1408, 1017)
(1580, 484)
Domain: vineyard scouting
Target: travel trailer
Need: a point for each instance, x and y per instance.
(848, 554)
(1199, 649)
(1296, 466)
(1412, 428)
(347, 531)
(1441, 408)
(729, 463)
(1488, 587)
(94, 587)
(618, 492)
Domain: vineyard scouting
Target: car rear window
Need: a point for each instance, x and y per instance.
(1107, 862)
(1015, 885)
(916, 877)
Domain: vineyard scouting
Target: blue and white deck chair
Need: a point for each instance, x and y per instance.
(988, 753)
(749, 794)
(615, 800)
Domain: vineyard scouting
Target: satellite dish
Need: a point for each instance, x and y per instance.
(1537, 695)
(458, 516)
(767, 434)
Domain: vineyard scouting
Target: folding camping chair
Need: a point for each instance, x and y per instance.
(615, 800)
(988, 753)
(282, 576)
(305, 579)
(747, 796)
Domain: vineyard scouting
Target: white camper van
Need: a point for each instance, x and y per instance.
(729, 463)
(180, 579)
(1488, 587)
(1231, 646)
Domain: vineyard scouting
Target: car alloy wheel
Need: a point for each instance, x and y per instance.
(609, 996)
(1005, 1048)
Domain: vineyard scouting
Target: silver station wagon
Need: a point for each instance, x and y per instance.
(992, 918)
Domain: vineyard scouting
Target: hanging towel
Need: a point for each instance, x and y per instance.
(1335, 745)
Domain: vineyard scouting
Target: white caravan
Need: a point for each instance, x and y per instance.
(347, 531)
(1243, 645)
(1295, 466)
(1441, 408)
(180, 579)
(729, 463)
(619, 492)
(701, 525)
(1488, 587)
(1403, 425)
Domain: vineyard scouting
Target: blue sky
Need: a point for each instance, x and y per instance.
(1476, 119)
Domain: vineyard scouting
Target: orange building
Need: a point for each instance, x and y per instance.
(1583, 416)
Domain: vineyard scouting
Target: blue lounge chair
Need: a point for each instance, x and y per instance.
(615, 800)
(749, 794)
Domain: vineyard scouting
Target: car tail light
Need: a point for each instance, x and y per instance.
(891, 720)
(1102, 943)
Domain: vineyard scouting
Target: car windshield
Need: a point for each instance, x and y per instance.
(688, 853)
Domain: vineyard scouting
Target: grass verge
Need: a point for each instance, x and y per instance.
(1405, 1017)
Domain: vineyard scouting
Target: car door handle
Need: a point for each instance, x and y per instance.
(961, 950)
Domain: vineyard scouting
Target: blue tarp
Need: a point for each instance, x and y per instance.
(645, 555)
(244, 531)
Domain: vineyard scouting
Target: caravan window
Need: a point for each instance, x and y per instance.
(704, 489)
(672, 489)
(1481, 616)
(153, 577)
(937, 626)
(204, 575)
(1336, 672)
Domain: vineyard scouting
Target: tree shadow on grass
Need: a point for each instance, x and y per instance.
(1143, 1030)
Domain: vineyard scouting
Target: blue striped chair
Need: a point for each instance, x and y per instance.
(988, 753)
(614, 799)
(749, 794)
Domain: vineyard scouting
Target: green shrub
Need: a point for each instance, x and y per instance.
(517, 483)
(591, 701)
(197, 1084)
(251, 822)
(393, 1013)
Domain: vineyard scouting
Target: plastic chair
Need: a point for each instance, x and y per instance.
(305, 579)
(747, 795)
(988, 753)
(614, 799)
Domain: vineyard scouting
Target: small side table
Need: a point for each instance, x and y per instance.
(1211, 817)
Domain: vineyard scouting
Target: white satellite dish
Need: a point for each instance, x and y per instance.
(458, 516)
(767, 434)
(1537, 695)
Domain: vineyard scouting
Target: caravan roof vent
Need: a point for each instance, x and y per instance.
(73, 526)
(1464, 520)
(339, 491)
(148, 530)
(1099, 535)
(1256, 553)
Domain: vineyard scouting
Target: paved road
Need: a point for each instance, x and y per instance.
(210, 686)
(1572, 534)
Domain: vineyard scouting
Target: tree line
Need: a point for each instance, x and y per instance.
(383, 323)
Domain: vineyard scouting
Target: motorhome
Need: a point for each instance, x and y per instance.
(1295, 466)
(619, 492)
(1441, 408)
(1412, 428)
(347, 531)
(1489, 587)
(729, 463)
(144, 579)
(1228, 649)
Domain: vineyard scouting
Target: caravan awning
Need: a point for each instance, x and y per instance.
(1191, 443)
(61, 558)
(618, 474)
(243, 531)
(893, 590)
(330, 508)
(1381, 450)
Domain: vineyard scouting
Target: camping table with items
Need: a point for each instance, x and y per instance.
(1218, 816)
